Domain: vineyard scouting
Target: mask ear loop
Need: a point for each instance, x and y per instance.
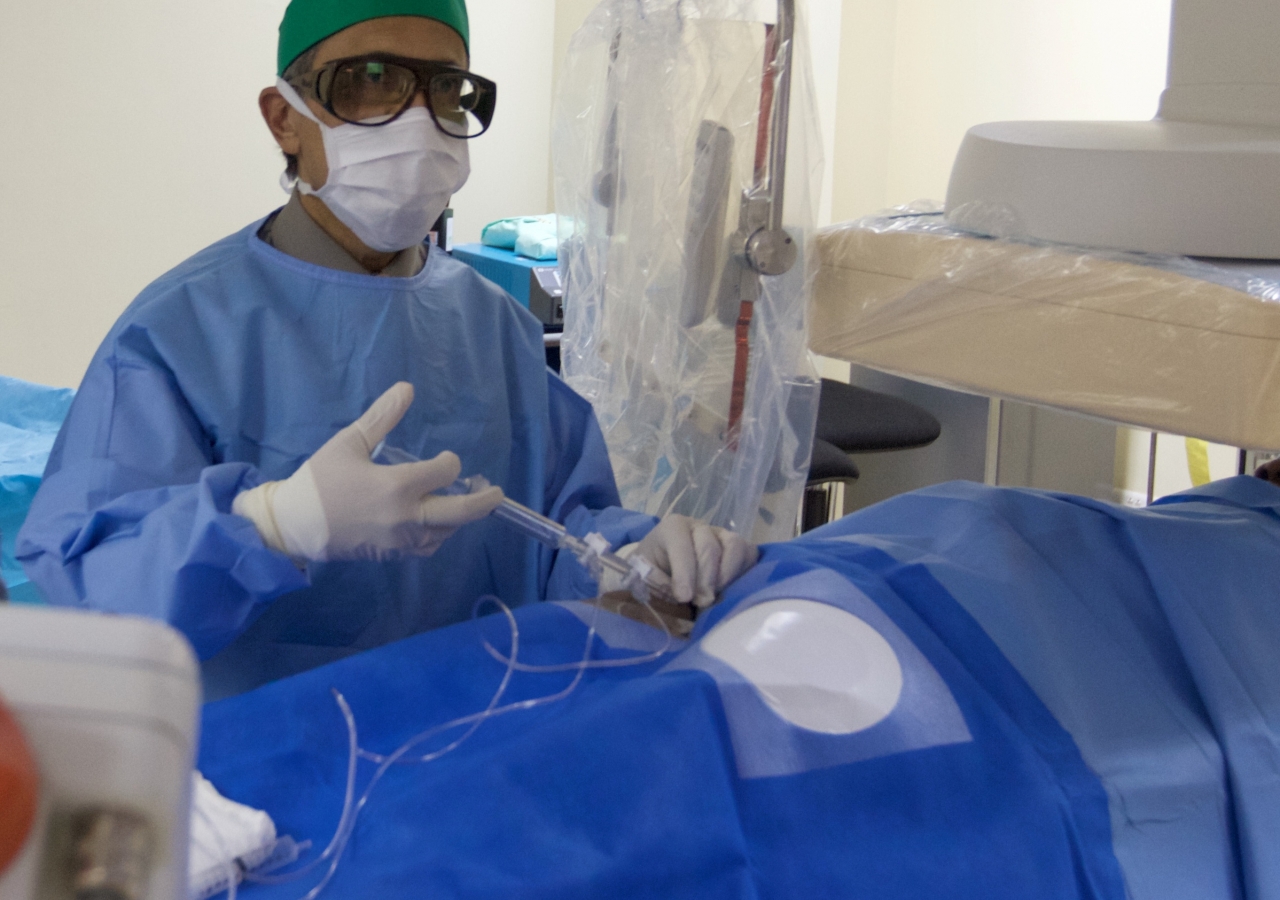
(294, 99)
(289, 182)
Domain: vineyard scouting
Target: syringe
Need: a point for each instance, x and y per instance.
(639, 576)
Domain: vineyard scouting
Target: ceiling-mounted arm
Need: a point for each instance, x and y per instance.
(762, 246)
(769, 249)
(783, 42)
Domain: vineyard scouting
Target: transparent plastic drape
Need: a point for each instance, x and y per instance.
(666, 154)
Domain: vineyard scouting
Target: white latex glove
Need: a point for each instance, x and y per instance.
(341, 505)
(701, 559)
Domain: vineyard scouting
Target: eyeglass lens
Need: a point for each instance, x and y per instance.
(371, 92)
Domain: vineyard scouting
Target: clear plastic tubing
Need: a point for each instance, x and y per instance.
(638, 576)
(553, 534)
(353, 804)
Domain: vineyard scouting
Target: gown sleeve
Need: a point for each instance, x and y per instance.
(581, 492)
(134, 514)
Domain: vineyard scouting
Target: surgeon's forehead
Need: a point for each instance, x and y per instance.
(411, 36)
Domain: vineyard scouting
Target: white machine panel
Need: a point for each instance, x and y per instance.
(109, 706)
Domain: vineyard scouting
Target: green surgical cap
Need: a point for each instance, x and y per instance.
(308, 22)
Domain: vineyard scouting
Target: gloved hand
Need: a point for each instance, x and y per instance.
(341, 506)
(701, 559)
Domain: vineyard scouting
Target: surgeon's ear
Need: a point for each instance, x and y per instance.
(275, 112)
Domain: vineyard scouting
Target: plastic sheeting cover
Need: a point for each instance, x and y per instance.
(1168, 343)
(30, 416)
(657, 140)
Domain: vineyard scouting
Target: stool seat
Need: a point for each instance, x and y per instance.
(830, 463)
(857, 420)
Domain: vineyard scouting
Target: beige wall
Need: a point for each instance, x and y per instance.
(916, 74)
(140, 143)
(570, 14)
(512, 43)
(137, 145)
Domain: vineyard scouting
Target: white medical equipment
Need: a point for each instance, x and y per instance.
(108, 706)
(675, 118)
(1199, 180)
(1086, 300)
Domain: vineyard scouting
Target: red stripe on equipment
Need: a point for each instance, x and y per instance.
(18, 788)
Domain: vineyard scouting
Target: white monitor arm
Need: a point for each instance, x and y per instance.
(1201, 179)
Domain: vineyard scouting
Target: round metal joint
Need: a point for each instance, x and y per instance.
(771, 252)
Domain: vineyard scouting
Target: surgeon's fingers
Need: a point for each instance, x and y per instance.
(432, 539)
(429, 540)
(682, 558)
(739, 555)
(419, 478)
(706, 545)
(384, 414)
(658, 576)
(447, 512)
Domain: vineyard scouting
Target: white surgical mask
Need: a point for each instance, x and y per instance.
(389, 183)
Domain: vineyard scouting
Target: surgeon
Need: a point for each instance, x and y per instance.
(215, 469)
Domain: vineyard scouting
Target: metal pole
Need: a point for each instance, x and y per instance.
(1151, 471)
(995, 410)
(784, 44)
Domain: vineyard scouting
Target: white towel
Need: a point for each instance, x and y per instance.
(227, 839)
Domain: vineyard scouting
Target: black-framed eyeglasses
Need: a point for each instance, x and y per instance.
(377, 88)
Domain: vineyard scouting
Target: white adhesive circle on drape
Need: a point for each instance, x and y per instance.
(815, 665)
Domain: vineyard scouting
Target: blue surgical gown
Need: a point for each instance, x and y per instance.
(231, 370)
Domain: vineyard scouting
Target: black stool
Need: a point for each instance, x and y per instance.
(830, 466)
(852, 419)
